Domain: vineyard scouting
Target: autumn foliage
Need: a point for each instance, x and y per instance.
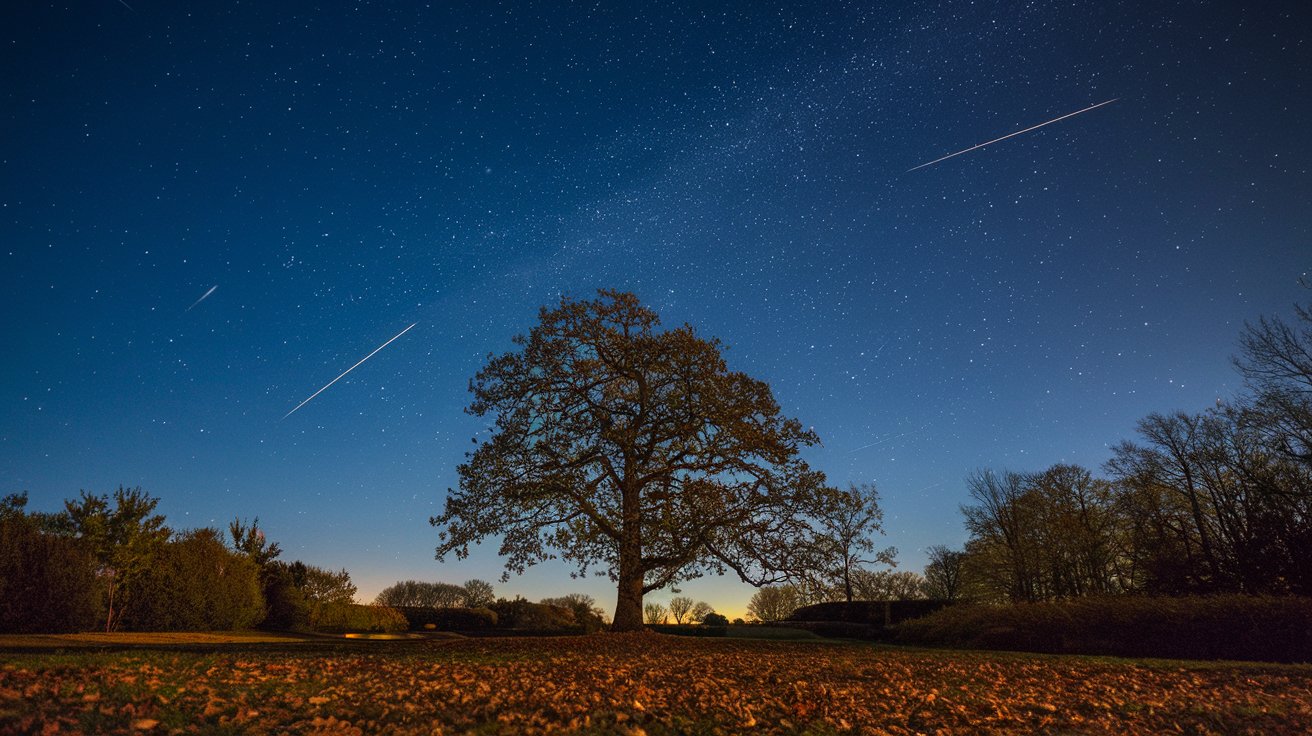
(639, 683)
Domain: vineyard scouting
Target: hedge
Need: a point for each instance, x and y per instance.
(1274, 629)
(421, 618)
(340, 618)
(869, 613)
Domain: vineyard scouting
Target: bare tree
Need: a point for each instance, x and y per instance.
(845, 539)
(773, 603)
(1276, 360)
(943, 574)
(479, 593)
(680, 607)
(654, 613)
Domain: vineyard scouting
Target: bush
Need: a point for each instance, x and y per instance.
(1222, 627)
(448, 619)
(523, 614)
(338, 618)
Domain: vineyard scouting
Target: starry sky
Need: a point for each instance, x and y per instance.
(330, 173)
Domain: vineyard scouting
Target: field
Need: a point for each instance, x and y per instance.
(605, 683)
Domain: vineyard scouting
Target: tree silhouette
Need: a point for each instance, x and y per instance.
(632, 452)
(123, 539)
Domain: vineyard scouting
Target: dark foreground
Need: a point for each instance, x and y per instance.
(634, 684)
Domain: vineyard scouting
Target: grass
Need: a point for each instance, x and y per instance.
(610, 683)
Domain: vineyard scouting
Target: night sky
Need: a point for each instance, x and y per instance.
(341, 171)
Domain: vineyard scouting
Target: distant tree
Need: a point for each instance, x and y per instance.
(447, 595)
(943, 574)
(888, 585)
(323, 586)
(404, 593)
(197, 584)
(738, 621)
(1276, 361)
(430, 595)
(1213, 506)
(47, 579)
(1003, 522)
(845, 542)
(716, 619)
(1044, 536)
(123, 539)
(700, 611)
(584, 607)
(773, 603)
(479, 593)
(654, 613)
(681, 608)
(620, 447)
(250, 541)
(285, 606)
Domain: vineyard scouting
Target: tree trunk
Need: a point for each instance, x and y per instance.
(628, 606)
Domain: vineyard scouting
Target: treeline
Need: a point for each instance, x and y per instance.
(109, 562)
(1212, 502)
(474, 606)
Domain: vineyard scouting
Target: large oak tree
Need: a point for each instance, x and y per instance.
(634, 452)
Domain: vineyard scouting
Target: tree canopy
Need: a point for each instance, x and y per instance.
(632, 452)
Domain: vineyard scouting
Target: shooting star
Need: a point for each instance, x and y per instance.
(889, 438)
(202, 298)
(1010, 135)
(348, 370)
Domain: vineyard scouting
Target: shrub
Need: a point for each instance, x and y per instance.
(448, 619)
(1221, 627)
(352, 617)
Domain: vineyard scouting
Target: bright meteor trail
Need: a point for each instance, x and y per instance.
(202, 298)
(348, 370)
(1009, 135)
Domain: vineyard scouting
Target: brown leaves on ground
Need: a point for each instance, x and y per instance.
(640, 684)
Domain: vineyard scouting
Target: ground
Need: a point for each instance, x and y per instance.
(606, 683)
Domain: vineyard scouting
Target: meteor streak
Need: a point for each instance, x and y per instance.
(1009, 135)
(202, 298)
(348, 370)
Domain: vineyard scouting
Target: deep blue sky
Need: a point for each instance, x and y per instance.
(341, 171)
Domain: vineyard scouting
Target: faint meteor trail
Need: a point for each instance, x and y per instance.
(202, 298)
(889, 438)
(348, 370)
(1010, 135)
